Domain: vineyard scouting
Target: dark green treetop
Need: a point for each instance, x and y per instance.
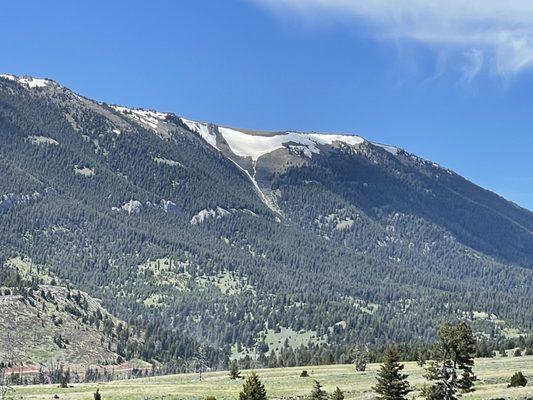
(392, 383)
(253, 389)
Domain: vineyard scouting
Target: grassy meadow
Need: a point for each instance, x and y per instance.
(493, 377)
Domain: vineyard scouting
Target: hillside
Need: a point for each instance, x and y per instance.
(251, 242)
(44, 322)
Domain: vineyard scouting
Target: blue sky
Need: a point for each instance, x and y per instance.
(453, 84)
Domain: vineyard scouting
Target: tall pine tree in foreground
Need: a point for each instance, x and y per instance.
(392, 383)
(253, 389)
(464, 351)
(452, 369)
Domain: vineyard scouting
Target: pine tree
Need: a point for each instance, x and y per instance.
(234, 372)
(318, 393)
(253, 389)
(518, 379)
(465, 357)
(200, 361)
(392, 383)
(359, 358)
(337, 394)
(455, 354)
(445, 386)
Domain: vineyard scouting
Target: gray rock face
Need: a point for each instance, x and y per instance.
(130, 207)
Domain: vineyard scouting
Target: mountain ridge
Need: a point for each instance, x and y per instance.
(40, 82)
(240, 240)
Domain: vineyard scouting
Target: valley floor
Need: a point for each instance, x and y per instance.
(493, 377)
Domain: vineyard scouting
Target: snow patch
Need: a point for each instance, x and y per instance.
(8, 77)
(149, 118)
(300, 150)
(201, 129)
(34, 82)
(266, 200)
(27, 81)
(321, 138)
(255, 146)
(391, 149)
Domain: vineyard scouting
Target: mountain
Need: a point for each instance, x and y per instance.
(246, 242)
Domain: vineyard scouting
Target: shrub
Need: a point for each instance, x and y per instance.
(337, 395)
(518, 379)
(318, 393)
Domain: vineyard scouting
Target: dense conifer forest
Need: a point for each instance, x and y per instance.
(355, 247)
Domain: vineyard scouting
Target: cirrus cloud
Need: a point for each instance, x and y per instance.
(492, 34)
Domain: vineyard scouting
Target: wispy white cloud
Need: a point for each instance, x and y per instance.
(473, 65)
(492, 34)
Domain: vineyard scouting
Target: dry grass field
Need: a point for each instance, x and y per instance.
(280, 383)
